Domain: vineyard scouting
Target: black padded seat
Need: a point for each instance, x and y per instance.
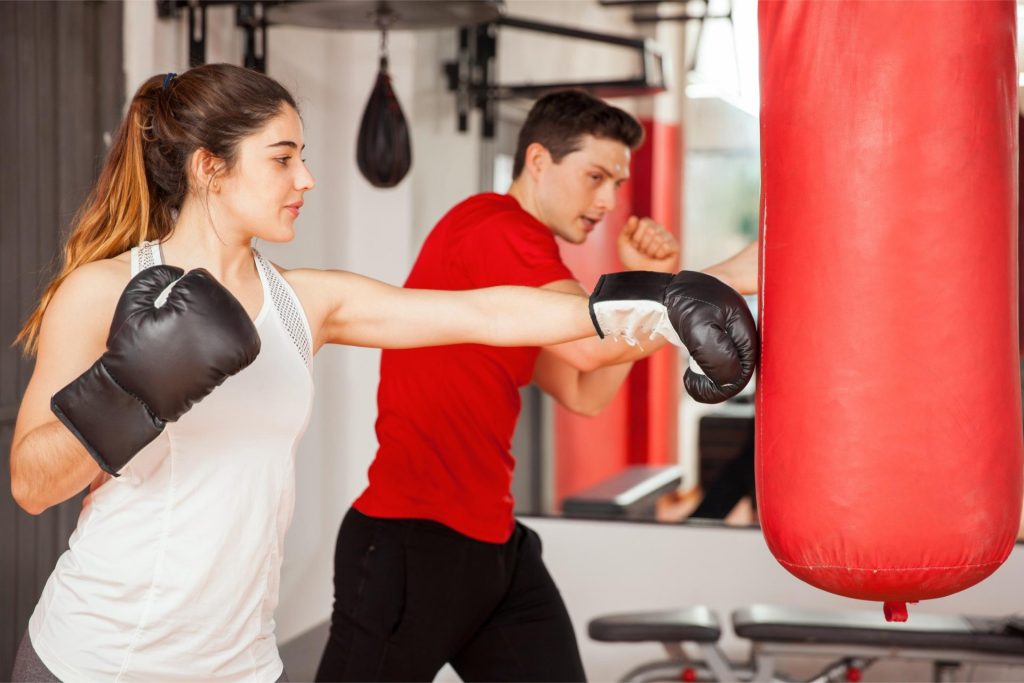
(769, 624)
(693, 624)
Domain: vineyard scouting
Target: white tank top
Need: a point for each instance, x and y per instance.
(172, 573)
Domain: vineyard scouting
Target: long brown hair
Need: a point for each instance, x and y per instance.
(145, 177)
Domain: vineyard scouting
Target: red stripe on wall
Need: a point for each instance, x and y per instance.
(1020, 242)
(663, 367)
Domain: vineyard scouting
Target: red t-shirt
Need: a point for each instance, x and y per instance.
(446, 414)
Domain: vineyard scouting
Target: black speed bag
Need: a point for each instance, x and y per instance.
(382, 149)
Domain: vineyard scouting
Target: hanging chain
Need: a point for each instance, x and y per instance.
(384, 18)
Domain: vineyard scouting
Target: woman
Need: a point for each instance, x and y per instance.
(172, 571)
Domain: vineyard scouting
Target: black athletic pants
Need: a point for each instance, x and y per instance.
(411, 595)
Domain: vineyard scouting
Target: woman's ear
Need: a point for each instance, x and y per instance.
(206, 168)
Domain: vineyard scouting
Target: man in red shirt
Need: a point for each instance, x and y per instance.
(431, 566)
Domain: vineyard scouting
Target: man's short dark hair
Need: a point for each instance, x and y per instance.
(560, 119)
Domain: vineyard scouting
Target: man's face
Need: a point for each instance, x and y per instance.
(576, 193)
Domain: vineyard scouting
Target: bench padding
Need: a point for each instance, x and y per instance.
(694, 624)
(770, 624)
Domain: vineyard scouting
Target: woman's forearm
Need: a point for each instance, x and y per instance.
(528, 316)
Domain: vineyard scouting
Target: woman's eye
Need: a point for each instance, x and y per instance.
(282, 160)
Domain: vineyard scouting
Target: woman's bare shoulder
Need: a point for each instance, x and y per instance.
(101, 274)
(81, 309)
(94, 285)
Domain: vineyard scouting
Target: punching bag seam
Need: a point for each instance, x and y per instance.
(885, 569)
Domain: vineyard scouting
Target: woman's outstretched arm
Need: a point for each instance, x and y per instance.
(345, 308)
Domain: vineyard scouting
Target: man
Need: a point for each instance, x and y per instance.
(431, 566)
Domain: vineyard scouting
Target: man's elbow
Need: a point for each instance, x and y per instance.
(589, 410)
(586, 362)
(583, 407)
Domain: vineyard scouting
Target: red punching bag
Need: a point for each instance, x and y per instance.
(889, 446)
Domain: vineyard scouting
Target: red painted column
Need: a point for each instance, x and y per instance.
(1020, 242)
(663, 367)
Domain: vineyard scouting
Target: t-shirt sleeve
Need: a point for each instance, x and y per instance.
(511, 251)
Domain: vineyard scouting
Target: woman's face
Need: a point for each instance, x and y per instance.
(262, 194)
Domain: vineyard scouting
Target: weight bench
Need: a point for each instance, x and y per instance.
(947, 642)
(673, 628)
(855, 640)
(630, 494)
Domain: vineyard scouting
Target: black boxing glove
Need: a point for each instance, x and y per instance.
(689, 309)
(174, 338)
